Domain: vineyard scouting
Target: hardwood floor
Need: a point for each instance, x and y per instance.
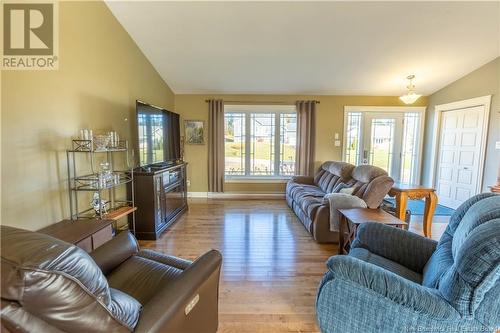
(271, 267)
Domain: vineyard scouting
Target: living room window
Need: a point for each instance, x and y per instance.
(260, 141)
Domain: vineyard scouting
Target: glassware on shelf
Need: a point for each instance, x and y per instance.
(101, 142)
(86, 134)
(105, 175)
(114, 139)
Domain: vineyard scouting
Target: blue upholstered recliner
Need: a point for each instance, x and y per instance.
(396, 281)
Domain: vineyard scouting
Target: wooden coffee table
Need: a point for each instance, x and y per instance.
(351, 218)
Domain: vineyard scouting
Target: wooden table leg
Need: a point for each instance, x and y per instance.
(343, 222)
(430, 207)
(401, 202)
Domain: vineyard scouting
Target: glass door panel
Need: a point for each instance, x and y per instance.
(382, 142)
(409, 149)
(352, 146)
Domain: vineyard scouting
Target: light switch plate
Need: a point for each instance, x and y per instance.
(337, 143)
(497, 145)
(336, 136)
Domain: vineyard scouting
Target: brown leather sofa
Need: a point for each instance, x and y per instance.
(52, 286)
(308, 196)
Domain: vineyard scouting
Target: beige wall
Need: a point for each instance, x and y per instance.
(101, 74)
(481, 82)
(330, 118)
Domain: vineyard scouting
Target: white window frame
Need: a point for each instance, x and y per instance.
(278, 110)
(387, 109)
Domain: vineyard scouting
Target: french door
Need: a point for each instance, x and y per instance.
(381, 144)
(390, 140)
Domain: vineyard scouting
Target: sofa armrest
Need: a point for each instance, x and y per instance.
(303, 180)
(385, 284)
(376, 190)
(404, 247)
(187, 304)
(111, 254)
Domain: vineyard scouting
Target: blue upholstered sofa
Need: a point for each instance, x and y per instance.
(396, 281)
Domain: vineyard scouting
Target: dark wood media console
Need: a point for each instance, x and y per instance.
(160, 194)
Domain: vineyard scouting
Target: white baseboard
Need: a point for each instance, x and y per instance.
(197, 194)
(233, 195)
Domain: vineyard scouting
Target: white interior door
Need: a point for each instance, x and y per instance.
(458, 160)
(382, 142)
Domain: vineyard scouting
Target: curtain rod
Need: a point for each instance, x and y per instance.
(258, 102)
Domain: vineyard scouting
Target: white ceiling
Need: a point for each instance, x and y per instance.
(352, 48)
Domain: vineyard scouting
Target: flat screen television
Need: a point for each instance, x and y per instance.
(158, 135)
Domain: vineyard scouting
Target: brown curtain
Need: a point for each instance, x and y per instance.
(306, 126)
(216, 145)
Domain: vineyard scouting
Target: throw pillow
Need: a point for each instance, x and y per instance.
(348, 190)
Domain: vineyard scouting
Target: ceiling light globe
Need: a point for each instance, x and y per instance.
(410, 98)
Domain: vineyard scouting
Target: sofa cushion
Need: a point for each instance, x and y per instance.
(141, 277)
(327, 180)
(291, 187)
(348, 190)
(304, 191)
(366, 173)
(387, 264)
(341, 185)
(125, 308)
(440, 261)
(310, 205)
(303, 218)
(340, 169)
(331, 174)
(321, 172)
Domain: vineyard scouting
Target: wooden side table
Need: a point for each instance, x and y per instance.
(351, 218)
(87, 234)
(402, 192)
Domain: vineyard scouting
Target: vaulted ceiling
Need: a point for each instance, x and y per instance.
(353, 48)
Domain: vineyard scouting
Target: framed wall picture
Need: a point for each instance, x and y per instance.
(194, 132)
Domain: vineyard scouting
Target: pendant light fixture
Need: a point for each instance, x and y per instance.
(411, 96)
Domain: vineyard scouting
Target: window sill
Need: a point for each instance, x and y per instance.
(257, 179)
